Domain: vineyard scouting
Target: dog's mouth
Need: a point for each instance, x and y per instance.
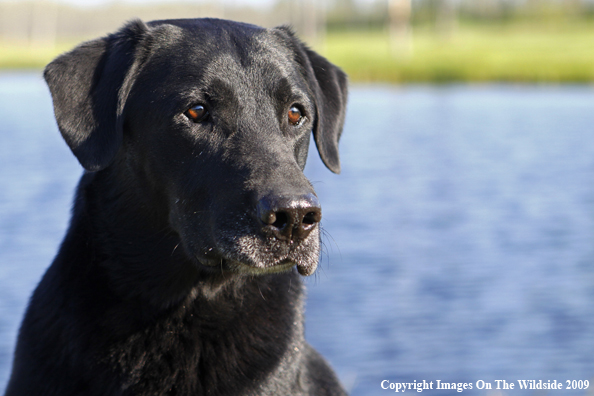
(241, 249)
(283, 265)
(260, 258)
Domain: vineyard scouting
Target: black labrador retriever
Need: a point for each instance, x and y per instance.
(177, 274)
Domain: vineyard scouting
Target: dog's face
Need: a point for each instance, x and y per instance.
(214, 118)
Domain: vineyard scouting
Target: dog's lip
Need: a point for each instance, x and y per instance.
(209, 260)
(282, 265)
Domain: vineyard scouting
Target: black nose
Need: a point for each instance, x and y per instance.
(290, 218)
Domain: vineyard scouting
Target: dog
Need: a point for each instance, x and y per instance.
(192, 223)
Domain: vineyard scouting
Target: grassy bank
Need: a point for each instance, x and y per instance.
(516, 53)
(560, 53)
(22, 56)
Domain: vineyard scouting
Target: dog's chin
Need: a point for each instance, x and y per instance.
(286, 265)
(283, 266)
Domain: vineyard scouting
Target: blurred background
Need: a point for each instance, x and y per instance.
(373, 40)
(459, 237)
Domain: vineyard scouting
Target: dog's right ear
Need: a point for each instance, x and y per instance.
(89, 87)
(329, 85)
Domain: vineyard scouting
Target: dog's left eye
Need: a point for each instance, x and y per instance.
(294, 115)
(197, 113)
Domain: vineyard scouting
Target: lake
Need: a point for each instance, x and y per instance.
(458, 240)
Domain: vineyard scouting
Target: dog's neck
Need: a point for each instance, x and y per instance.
(132, 243)
(219, 338)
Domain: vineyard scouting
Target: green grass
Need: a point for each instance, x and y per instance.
(22, 56)
(516, 53)
(531, 53)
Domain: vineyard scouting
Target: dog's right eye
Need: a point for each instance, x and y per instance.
(294, 115)
(197, 113)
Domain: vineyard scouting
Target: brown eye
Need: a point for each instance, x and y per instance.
(197, 113)
(294, 115)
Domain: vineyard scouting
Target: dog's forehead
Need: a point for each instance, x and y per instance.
(208, 50)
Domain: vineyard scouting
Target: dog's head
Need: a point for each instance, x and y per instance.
(212, 119)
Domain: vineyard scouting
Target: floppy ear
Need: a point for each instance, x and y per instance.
(329, 86)
(331, 97)
(89, 87)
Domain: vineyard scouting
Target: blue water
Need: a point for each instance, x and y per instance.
(459, 238)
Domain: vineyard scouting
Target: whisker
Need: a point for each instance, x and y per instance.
(173, 251)
(260, 290)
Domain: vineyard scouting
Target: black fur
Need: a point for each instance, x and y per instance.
(177, 274)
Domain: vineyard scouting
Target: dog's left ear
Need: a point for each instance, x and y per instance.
(329, 86)
(89, 87)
